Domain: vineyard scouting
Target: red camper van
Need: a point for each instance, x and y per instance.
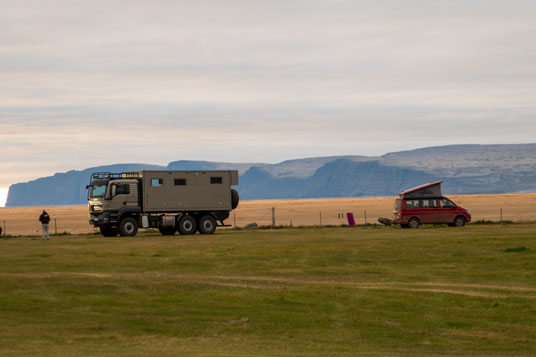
(425, 204)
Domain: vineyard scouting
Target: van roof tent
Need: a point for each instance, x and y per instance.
(429, 190)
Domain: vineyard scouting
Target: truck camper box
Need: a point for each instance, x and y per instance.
(172, 191)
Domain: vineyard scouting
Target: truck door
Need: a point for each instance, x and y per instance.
(124, 194)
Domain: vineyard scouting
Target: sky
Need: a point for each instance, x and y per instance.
(87, 83)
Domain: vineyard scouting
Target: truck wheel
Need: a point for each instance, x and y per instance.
(108, 231)
(187, 225)
(167, 231)
(207, 224)
(459, 221)
(414, 222)
(128, 227)
(235, 198)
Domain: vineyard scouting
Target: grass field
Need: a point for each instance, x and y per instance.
(304, 212)
(336, 291)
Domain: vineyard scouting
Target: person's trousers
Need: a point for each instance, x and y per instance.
(44, 229)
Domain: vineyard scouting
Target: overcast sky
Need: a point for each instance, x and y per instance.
(86, 83)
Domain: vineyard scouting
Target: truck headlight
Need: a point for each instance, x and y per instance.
(468, 212)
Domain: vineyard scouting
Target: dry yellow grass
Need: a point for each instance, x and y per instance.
(74, 219)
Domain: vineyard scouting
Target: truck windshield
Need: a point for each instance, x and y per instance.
(97, 191)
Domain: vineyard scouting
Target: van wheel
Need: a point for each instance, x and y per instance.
(128, 227)
(207, 224)
(414, 222)
(167, 231)
(187, 225)
(459, 221)
(107, 231)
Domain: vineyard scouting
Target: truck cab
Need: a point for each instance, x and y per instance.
(110, 197)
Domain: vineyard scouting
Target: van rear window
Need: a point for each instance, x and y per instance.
(412, 203)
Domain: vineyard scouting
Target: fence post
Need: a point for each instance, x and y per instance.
(234, 219)
(501, 214)
(5, 233)
(365, 217)
(320, 218)
(273, 217)
(55, 227)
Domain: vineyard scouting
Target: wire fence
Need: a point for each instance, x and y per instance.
(303, 217)
(75, 222)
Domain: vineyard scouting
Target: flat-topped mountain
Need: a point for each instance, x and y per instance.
(463, 168)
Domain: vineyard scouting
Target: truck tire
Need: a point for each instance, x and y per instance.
(459, 221)
(167, 231)
(235, 198)
(414, 222)
(128, 227)
(207, 224)
(187, 225)
(107, 231)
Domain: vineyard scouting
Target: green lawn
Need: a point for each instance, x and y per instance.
(294, 292)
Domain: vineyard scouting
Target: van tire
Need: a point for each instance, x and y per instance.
(414, 222)
(187, 225)
(459, 221)
(235, 198)
(207, 224)
(108, 231)
(128, 227)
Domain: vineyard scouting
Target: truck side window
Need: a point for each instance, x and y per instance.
(216, 180)
(180, 182)
(157, 182)
(122, 189)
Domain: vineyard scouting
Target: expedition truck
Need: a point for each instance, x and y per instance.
(425, 204)
(184, 201)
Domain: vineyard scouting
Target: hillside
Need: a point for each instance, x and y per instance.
(465, 169)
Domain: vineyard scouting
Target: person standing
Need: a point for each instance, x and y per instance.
(44, 218)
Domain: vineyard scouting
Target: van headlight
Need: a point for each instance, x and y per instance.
(468, 212)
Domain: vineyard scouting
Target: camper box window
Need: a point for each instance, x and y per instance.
(216, 180)
(180, 182)
(157, 182)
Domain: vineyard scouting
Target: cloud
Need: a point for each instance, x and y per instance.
(90, 83)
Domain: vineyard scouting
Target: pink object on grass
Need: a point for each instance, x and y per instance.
(351, 221)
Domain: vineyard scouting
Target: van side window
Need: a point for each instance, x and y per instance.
(180, 182)
(412, 203)
(216, 180)
(122, 189)
(429, 203)
(446, 203)
(157, 182)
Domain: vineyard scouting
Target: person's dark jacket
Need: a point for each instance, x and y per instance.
(44, 218)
